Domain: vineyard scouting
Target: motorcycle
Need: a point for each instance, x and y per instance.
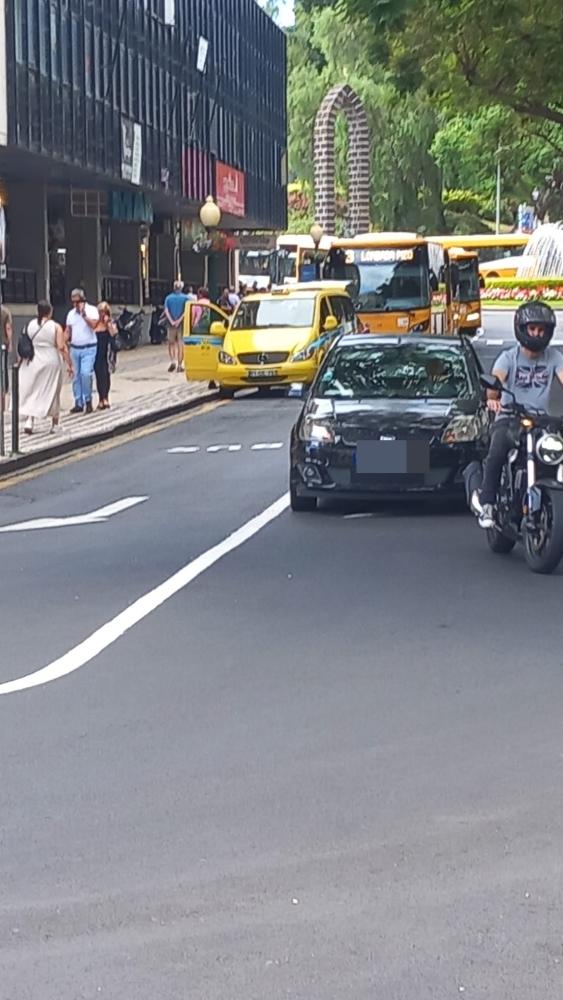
(529, 507)
(129, 329)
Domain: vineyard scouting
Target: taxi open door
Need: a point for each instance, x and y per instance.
(205, 326)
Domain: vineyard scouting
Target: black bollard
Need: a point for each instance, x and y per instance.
(15, 410)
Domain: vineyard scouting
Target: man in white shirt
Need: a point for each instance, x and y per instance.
(81, 323)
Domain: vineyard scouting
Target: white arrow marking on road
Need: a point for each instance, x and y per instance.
(94, 517)
(267, 447)
(184, 451)
(118, 626)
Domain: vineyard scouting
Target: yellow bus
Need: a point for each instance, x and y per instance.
(498, 253)
(463, 291)
(390, 280)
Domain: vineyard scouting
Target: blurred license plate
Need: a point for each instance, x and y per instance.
(392, 458)
(263, 373)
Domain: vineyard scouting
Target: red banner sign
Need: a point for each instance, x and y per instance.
(230, 189)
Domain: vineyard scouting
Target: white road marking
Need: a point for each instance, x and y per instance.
(184, 451)
(118, 626)
(94, 517)
(266, 446)
(214, 448)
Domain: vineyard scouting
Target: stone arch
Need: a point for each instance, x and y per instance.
(342, 98)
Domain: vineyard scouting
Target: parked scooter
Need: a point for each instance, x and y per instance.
(157, 332)
(129, 329)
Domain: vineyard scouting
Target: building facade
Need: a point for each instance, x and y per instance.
(117, 119)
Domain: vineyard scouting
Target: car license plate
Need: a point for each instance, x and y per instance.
(392, 458)
(263, 373)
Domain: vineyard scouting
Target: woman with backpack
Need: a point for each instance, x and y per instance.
(41, 368)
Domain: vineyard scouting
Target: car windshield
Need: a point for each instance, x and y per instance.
(266, 313)
(383, 280)
(405, 371)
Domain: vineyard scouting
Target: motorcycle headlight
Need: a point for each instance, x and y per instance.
(226, 359)
(313, 429)
(305, 353)
(549, 449)
(461, 429)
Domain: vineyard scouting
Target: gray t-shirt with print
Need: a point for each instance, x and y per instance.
(528, 378)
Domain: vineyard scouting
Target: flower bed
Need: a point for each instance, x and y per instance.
(523, 290)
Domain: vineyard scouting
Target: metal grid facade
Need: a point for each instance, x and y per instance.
(77, 68)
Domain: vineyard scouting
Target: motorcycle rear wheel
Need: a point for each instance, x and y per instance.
(543, 548)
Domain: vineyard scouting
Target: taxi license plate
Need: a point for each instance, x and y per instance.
(263, 373)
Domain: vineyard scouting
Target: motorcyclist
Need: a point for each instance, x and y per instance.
(527, 370)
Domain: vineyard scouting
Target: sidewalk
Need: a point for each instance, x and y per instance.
(141, 389)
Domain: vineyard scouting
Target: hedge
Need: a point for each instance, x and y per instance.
(525, 283)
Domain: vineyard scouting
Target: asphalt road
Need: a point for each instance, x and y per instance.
(327, 768)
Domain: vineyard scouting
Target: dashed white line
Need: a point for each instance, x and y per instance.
(214, 448)
(118, 626)
(184, 451)
(265, 446)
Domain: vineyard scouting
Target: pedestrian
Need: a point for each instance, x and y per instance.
(41, 378)
(201, 315)
(105, 354)
(6, 345)
(234, 299)
(174, 308)
(224, 302)
(190, 294)
(81, 324)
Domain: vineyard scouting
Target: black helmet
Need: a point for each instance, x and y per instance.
(537, 313)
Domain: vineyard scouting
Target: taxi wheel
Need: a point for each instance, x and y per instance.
(225, 393)
(301, 505)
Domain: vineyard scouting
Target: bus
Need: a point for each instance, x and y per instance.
(499, 253)
(390, 277)
(463, 291)
(254, 268)
(297, 259)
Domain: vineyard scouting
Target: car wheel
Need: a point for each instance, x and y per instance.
(225, 393)
(299, 504)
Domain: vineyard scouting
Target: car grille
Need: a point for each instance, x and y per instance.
(351, 435)
(265, 358)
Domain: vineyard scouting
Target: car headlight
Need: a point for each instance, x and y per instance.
(549, 449)
(305, 354)
(461, 429)
(313, 429)
(226, 359)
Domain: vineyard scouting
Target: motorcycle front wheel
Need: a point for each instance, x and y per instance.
(543, 545)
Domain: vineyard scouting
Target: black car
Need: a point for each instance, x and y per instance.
(388, 417)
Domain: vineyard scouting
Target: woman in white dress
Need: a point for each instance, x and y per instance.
(41, 379)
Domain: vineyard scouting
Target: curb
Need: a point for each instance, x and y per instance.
(19, 462)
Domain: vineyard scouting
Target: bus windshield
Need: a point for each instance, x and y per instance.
(383, 280)
(255, 264)
(468, 273)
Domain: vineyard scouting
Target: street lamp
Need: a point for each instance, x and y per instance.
(316, 232)
(210, 217)
(500, 150)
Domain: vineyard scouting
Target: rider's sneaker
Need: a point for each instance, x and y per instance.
(483, 511)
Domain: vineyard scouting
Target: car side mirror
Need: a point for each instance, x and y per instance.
(330, 324)
(218, 328)
(491, 382)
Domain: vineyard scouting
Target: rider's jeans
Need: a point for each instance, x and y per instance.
(502, 440)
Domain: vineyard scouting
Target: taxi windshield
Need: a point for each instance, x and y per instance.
(266, 313)
(395, 372)
(383, 280)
